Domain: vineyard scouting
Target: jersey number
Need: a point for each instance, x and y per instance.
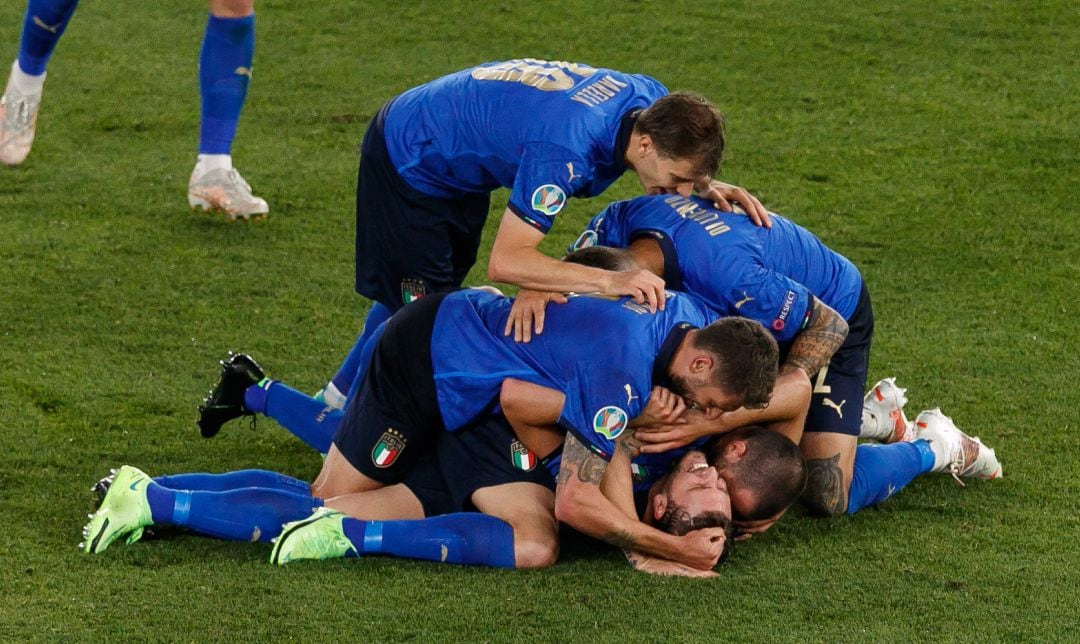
(543, 75)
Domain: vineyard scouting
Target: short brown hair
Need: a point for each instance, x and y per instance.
(773, 469)
(684, 125)
(747, 358)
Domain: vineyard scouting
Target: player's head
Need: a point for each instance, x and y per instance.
(677, 140)
(605, 257)
(764, 470)
(692, 497)
(729, 364)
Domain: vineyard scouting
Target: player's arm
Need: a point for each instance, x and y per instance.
(515, 259)
(533, 411)
(580, 504)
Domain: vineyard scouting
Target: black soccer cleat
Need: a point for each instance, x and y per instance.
(226, 400)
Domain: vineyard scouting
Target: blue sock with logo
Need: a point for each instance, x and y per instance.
(882, 470)
(44, 23)
(308, 419)
(468, 538)
(352, 370)
(224, 71)
(233, 481)
(245, 514)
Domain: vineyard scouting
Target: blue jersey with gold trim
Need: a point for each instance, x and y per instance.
(546, 130)
(736, 267)
(599, 352)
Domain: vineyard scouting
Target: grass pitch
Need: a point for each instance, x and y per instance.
(936, 146)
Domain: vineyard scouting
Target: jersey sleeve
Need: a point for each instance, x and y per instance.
(547, 176)
(778, 302)
(603, 230)
(599, 406)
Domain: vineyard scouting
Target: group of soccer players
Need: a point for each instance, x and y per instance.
(702, 357)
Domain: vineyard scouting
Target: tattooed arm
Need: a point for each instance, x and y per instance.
(816, 344)
(580, 504)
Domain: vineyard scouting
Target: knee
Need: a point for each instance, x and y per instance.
(535, 553)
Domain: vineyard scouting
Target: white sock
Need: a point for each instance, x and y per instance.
(333, 397)
(24, 83)
(208, 162)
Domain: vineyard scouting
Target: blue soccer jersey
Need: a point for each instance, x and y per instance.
(546, 130)
(736, 267)
(604, 355)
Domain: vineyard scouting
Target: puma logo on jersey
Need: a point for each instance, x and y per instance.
(243, 71)
(746, 298)
(629, 393)
(570, 167)
(829, 403)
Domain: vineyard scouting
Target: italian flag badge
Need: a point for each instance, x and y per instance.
(388, 448)
(523, 459)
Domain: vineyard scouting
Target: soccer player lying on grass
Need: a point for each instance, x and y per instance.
(817, 306)
(465, 368)
(430, 515)
(548, 131)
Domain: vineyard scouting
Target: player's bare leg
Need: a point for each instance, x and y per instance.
(530, 511)
(339, 477)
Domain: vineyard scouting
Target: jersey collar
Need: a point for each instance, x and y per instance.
(622, 140)
(667, 353)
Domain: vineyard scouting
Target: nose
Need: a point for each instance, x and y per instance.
(684, 189)
(712, 476)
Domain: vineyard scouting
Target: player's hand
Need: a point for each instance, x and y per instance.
(701, 549)
(642, 285)
(747, 529)
(665, 407)
(724, 194)
(691, 425)
(527, 313)
(664, 567)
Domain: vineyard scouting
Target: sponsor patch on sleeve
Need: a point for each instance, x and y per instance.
(548, 199)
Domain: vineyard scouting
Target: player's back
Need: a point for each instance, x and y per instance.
(591, 349)
(466, 132)
(716, 251)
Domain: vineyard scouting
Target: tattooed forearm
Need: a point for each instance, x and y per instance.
(815, 346)
(824, 487)
(621, 539)
(628, 445)
(578, 459)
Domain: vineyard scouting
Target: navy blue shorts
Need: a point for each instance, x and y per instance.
(409, 244)
(395, 417)
(836, 403)
(487, 454)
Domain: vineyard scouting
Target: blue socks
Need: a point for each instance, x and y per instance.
(463, 538)
(882, 470)
(244, 514)
(43, 25)
(224, 71)
(308, 419)
(233, 481)
(352, 370)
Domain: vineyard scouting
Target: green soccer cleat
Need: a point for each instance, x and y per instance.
(319, 536)
(123, 511)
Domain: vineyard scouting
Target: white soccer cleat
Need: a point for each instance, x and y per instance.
(955, 452)
(18, 119)
(883, 413)
(225, 191)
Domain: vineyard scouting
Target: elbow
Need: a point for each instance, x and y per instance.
(499, 269)
(569, 510)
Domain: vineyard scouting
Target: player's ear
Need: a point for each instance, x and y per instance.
(659, 506)
(734, 451)
(702, 364)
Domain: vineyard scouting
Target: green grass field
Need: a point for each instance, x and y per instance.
(935, 146)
